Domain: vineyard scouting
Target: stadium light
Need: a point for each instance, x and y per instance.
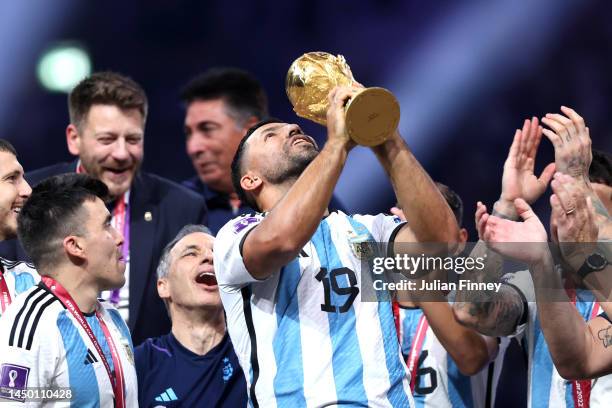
(61, 67)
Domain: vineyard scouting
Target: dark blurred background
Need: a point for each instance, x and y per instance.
(466, 73)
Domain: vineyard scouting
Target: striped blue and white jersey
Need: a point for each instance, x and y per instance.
(439, 383)
(304, 337)
(42, 345)
(19, 277)
(545, 386)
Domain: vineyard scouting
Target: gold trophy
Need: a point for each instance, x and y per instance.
(371, 116)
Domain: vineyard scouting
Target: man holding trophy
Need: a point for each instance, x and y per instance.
(290, 278)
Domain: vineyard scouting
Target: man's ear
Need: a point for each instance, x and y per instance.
(74, 247)
(163, 288)
(250, 182)
(73, 140)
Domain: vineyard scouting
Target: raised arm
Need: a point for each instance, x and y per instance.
(578, 349)
(488, 312)
(427, 213)
(468, 349)
(280, 237)
(497, 313)
(570, 137)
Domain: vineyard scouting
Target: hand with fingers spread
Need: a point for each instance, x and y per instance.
(336, 125)
(513, 239)
(572, 221)
(519, 180)
(570, 138)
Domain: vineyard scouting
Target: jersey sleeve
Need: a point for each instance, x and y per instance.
(230, 270)
(522, 283)
(383, 227)
(23, 367)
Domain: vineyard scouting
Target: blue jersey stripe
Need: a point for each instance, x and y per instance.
(541, 369)
(289, 378)
(459, 386)
(347, 363)
(23, 282)
(396, 394)
(542, 365)
(83, 382)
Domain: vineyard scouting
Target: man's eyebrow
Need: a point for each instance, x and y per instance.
(190, 247)
(272, 129)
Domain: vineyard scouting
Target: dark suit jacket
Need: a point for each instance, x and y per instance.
(171, 207)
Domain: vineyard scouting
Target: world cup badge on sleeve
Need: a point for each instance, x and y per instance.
(13, 378)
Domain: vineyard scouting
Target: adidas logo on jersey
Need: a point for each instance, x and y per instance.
(167, 396)
(90, 358)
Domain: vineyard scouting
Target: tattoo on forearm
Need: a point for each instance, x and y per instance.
(495, 314)
(605, 335)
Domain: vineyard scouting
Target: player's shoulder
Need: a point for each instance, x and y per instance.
(32, 315)
(18, 267)
(236, 225)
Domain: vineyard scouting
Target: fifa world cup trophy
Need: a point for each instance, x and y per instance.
(371, 116)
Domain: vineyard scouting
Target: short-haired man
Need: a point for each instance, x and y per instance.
(222, 104)
(290, 275)
(15, 277)
(106, 131)
(58, 338)
(195, 364)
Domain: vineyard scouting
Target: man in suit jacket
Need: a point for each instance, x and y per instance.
(107, 119)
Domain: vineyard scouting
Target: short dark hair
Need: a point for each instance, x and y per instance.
(105, 88)
(6, 146)
(53, 212)
(240, 90)
(453, 200)
(601, 168)
(237, 163)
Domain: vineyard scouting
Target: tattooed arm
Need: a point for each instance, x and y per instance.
(488, 312)
(579, 349)
(572, 142)
(498, 313)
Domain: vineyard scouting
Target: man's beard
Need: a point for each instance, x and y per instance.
(291, 167)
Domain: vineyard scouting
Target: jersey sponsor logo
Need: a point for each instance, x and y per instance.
(13, 378)
(167, 396)
(243, 223)
(228, 369)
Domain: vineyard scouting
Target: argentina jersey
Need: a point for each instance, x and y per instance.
(304, 337)
(42, 345)
(545, 386)
(18, 276)
(438, 382)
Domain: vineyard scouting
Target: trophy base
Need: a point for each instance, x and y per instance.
(372, 116)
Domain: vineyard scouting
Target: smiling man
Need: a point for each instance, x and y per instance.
(194, 364)
(106, 132)
(58, 336)
(15, 277)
